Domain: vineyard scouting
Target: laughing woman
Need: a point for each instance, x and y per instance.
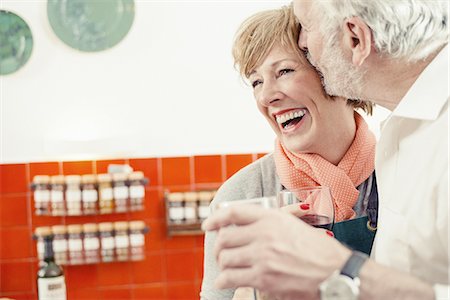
(321, 140)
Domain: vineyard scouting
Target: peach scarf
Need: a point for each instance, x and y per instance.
(300, 170)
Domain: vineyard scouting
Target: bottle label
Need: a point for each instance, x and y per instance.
(41, 195)
(40, 248)
(89, 195)
(137, 191)
(176, 213)
(59, 245)
(120, 192)
(75, 245)
(121, 241)
(137, 240)
(108, 242)
(203, 212)
(91, 243)
(57, 196)
(52, 288)
(190, 213)
(73, 195)
(106, 194)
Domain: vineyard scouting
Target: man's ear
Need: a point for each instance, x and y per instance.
(358, 38)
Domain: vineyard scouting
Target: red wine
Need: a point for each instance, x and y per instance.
(318, 221)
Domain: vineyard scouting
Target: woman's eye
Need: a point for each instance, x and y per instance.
(285, 71)
(255, 83)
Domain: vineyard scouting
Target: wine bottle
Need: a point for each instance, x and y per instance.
(50, 277)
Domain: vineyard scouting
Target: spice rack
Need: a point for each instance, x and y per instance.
(91, 243)
(185, 211)
(78, 195)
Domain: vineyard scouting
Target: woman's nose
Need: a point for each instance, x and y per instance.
(269, 94)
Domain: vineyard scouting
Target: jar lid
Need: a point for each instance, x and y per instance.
(41, 179)
(190, 196)
(73, 179)
(120, 225)
(175, 197)
(119, 176)
(43, 231)
(137, 225)
(89, 178)
(105, 226)
(205, 195)
(137, 175)
(105, 177)
(57, 179)
(90, 227)
(74, 228)
(59, 229)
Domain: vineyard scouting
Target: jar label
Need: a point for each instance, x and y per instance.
(73, 195)
(41, 196)
(57, 196)
(91, 243)
(176, 213)
(52, 288)
(137, 240)
(89, 195)
(108, 242)
(40, 247)
(106, 194)
(203, 212)
(190, 212)
(121, 241)
(137, 191)
(75, 245)
(59, 245)
(120, 192)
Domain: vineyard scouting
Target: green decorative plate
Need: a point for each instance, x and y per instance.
(16, 42)
(91, 25)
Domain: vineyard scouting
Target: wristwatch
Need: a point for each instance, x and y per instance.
(344, 284)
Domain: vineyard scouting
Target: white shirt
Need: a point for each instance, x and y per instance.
(412, 168)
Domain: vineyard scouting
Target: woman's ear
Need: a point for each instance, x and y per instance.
(358, 38)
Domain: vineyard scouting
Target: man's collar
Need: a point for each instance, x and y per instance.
(427, 96)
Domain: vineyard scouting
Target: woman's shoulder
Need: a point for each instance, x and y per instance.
(254, 180)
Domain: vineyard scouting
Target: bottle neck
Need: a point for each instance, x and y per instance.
(49, 255)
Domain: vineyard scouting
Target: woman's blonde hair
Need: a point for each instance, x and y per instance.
(258, 34)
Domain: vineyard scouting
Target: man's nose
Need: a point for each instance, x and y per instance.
(302, 40)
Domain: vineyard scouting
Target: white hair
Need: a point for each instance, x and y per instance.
(410, 29)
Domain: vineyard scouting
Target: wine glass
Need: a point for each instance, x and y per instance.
(313, 205)
(265, 202)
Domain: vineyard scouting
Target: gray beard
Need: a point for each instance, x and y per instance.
(340, 77)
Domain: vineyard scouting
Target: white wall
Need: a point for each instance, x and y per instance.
(168, 89)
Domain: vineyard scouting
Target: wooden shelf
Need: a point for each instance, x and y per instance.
(184, 229)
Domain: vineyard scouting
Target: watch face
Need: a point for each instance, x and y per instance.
(339, 287)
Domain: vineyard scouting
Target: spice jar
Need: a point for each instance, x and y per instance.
(137, 240)
(73, 195)
(91, 243)
(176, 208)
(75, 244)
(41, 233)
(121, 240)
(120, 192)
(105, 193)
(190, 207)
(204, 198)
(89, 194)
(137, 190)
(60, 244)
(57, 195)
(107, 241)
(41, 194)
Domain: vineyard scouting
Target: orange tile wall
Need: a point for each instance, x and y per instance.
(173, 266)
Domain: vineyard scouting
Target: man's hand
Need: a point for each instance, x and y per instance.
(273, 251)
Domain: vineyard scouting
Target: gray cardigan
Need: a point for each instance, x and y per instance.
(259, 179)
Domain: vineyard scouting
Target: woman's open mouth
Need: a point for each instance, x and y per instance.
(290, 120)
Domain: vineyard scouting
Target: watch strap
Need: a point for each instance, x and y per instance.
(354, 264)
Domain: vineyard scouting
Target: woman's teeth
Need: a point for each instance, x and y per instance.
(290, 116)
